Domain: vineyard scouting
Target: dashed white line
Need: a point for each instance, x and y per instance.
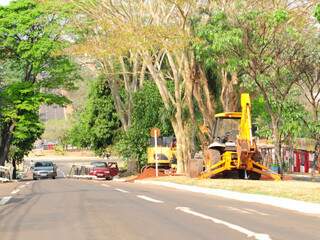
(105, 185)
(149, 199)
(257, 236)
(257, 212)
(15, 191)
(121, 190)
(4, 200)
(239, 210)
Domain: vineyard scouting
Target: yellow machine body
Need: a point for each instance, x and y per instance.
(243, 156)
(165, 155)
(165, 152)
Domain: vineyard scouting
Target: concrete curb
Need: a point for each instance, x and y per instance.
(286, 203)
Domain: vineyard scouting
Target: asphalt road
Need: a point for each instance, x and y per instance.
(83, 209)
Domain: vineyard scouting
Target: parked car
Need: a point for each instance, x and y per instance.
(105, 170)
(44, 169)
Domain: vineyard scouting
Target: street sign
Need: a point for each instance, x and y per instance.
(155, 132)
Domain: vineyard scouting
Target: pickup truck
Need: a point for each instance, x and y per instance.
(105, 170)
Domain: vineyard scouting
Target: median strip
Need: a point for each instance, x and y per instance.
(257, 236)
(149, 199)
(4, 200)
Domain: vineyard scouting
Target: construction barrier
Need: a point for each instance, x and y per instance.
(4, 174)
(81, 171)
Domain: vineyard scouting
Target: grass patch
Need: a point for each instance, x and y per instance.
(298, 190)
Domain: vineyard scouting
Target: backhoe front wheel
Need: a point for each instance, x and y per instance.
(254, 175)
(213, 156)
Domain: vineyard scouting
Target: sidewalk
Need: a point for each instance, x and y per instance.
(286, 203)
(7, 188)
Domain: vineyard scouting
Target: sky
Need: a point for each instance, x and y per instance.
(4, 2)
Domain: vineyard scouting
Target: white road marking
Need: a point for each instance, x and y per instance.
(28, 183)
(105, 185)
(4, 200)
(149, 199)
(257, 212)
(62, 172)
(238, 210)
(15, 191)
(22, 186)
(257, 236)
(121, 190)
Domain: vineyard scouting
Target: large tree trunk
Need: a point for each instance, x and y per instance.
(184, 142)
(6, 136)
(229, 96)
(14, 173)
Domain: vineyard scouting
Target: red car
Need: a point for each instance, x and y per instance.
(104, 170)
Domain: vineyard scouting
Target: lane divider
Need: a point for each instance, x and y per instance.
(257, 212)
(15, 191)
(4, 200)
(239, 210)
(257, 236)
(22, 186)
(121, 190)
(149, 199)
(105, 185)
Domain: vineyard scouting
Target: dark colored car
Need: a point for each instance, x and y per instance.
(44, 169)
(104, 170)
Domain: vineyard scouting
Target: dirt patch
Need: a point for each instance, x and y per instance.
(151, 173)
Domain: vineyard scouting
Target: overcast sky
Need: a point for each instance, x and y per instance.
(4, 2)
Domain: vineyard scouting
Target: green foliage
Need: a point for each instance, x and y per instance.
(20, 107)
(31, 65)
(148, 112)
(291, 123)
(218, 38)
(97, 123)
(30, 38)
(317, 12)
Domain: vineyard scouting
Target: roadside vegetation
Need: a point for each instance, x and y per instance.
(165, 64)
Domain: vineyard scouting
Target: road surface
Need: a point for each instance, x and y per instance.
(83, 209)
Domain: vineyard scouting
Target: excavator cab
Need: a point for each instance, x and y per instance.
(226, 130)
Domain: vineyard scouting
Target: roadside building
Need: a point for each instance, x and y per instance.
(297, 159)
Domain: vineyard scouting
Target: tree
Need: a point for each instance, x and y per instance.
(148, 112)
(97, 123)
(263, 44)
(159, 33)
(21, 102)
(31, 34)
(310, 85)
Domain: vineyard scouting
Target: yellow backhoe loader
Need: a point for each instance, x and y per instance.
(234, 152)
(166, 154)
